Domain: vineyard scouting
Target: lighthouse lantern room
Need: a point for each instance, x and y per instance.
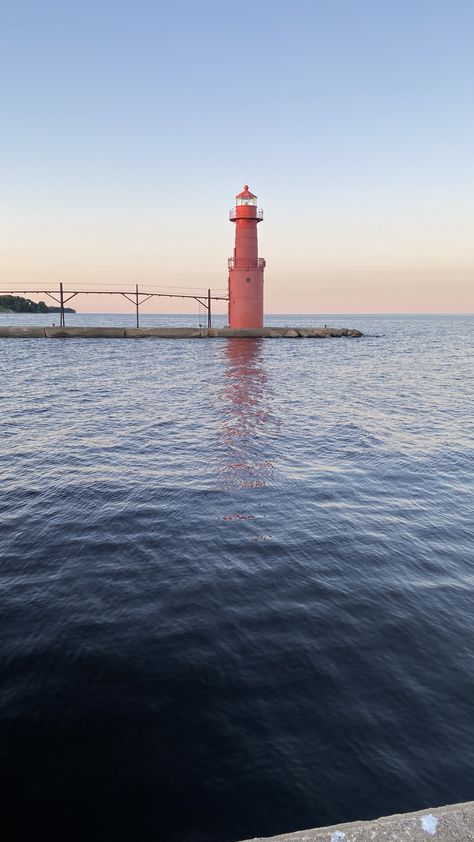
(246, 267)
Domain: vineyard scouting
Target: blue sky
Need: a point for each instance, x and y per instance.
(127, 128)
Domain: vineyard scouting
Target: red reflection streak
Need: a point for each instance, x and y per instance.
(238, 517)
(245, 405)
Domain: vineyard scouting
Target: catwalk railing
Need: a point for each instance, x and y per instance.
(62, 296)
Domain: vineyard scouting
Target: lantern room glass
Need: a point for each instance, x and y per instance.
(251, 200)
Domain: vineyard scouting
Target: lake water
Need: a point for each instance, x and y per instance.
(237, 579)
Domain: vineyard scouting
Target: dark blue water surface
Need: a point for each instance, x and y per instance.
(237, 580)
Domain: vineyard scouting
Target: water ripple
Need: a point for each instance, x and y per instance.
(237, 581)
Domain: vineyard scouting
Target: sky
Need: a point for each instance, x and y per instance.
(127, 128)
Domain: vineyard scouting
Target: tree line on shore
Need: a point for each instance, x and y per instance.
(18, 304)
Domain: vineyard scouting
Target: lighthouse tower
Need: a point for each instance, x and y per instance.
(246, 267)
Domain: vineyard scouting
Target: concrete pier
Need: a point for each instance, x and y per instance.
(454, 823)
(175, 332)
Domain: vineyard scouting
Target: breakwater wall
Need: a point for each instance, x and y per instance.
(454, 823)
(175, 333)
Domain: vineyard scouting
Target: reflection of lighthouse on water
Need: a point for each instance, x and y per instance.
(245, 403)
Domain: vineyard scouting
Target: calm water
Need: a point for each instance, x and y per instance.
(237, 580)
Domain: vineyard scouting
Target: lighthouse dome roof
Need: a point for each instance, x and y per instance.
(246, 194)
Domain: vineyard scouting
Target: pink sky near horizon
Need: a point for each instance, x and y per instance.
(411, 256)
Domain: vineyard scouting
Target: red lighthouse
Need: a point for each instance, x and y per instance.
(246, 267)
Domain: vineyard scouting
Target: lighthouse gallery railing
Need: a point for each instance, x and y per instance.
(258, 214)
(259, 263)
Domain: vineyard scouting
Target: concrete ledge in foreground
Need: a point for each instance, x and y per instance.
(175, 332)
(454, 823)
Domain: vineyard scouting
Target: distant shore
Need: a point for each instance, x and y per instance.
(19, 304)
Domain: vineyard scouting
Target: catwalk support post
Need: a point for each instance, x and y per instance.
(62, 320)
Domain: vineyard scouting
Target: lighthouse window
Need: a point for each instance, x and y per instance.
(246, 201)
